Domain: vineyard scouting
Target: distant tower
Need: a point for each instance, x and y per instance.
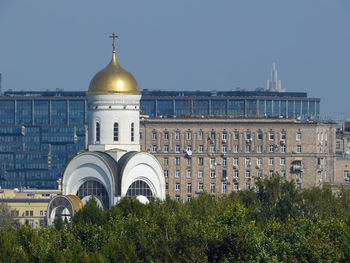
(273, 84)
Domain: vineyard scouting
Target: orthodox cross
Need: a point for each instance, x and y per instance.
(114, 36)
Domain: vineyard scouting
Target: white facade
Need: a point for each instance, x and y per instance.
(108, 110)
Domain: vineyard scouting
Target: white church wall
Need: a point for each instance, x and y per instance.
(85, 167)
(145, 167)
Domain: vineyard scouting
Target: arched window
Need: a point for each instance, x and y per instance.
(97, 132)
(139, 188)
(116, 132)
(95, 189)
(132, 132)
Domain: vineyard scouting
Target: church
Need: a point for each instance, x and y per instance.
(113, 166)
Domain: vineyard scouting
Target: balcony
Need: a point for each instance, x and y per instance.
(297, 167)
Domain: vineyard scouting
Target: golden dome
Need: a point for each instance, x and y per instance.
(113, 79)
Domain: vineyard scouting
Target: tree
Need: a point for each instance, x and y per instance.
(5, 215)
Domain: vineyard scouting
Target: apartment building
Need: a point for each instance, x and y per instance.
(223, 155)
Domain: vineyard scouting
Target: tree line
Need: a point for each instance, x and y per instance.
(275, 224)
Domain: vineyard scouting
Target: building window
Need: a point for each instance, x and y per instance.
(283, 173)
(200, 174)
(259, 174)
(189, 147)
(200, 187)
(259, 161)
(235, 162)
(298, 137)
(116, 132)
(235, 187)
(298, 175)
(247, 162)
(247, 136)
(298, 186)
(259, 148)
(177, 136)
(189, 135)
(166, 161)
(212, 174)
(224, 188)
(260, 136)
(177, 197)
(224, 174)
(271, 148)
(299, 148)
(247, 148)
(271, 136)
(97, 132)
(212, 136)
(236, 136)
(224, 137)
(224, 149)
(189, 173)
(270, 161)
(235, 174)
(212, 163)
(247, 186)
(200, 135)
(200, 149)
(247, 174)
(235, 148)
(177, 160)
(132, 131)
(166, 173)
(320, 162)
(200, 161)
(283, 149)
(337, 145)
(224, 162)
(177, 186)
(189, 162)
(167, 186)
(154, 148)
(212, 148)
(166, 148)
(177, 174)
(189, 188)
(212, 188)
(346, 175)
(283, 136)
(177, 148)
(271, 173)
(154, 136)
(166, 136)
(283, 161)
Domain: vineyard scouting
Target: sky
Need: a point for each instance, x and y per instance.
(180, 45)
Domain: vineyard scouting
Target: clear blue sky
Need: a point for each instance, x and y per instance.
(181, 45)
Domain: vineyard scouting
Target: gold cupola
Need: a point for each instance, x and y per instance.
(113, 79)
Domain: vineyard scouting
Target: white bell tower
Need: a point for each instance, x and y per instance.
(113, 109)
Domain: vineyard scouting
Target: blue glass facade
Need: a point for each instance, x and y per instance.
(38, 135)
(229, 104)
(41, 131)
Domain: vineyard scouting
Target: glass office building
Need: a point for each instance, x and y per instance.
(38, 135)
(229, 104)
(41, 131)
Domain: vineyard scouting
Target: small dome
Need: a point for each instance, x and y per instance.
(113, 79)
